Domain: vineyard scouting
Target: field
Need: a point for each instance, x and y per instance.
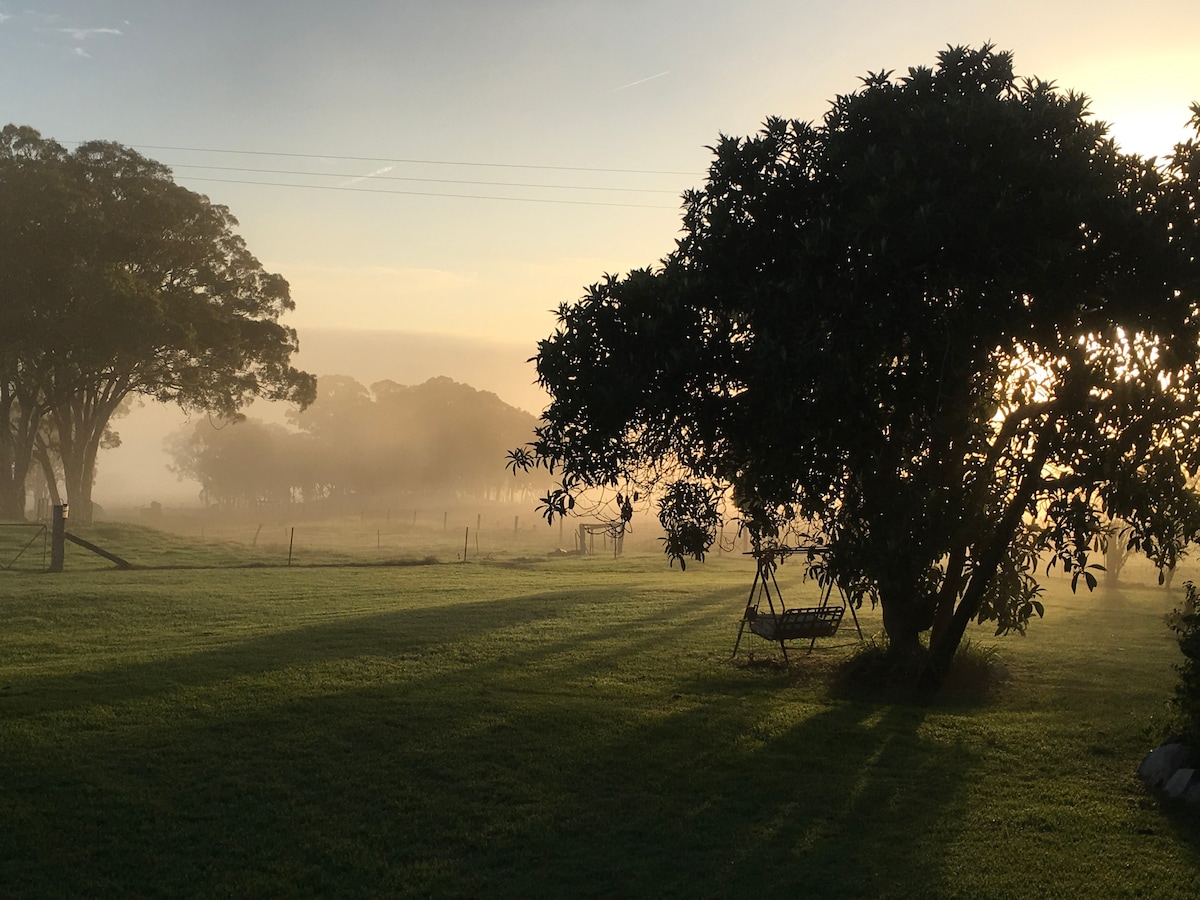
(519, 725)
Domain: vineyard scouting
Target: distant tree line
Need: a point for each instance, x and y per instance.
(440, 438)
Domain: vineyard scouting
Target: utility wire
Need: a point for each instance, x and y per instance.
(382, 177)
(334, 187)
(424, 162)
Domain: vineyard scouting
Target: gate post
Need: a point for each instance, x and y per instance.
(58, 539)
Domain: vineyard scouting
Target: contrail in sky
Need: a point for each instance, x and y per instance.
(641, 81)
(382, 171)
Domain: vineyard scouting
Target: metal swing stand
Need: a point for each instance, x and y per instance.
(783, 624)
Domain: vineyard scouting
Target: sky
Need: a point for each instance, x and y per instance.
(459, 169)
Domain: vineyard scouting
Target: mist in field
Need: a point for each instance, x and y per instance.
(138, 472)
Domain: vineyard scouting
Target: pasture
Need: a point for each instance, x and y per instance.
(525, 726)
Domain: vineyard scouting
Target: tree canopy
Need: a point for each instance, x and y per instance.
(943, 333)
(117, 281)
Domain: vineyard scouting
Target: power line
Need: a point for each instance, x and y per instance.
(424, 162)
(382, 177)
(334, 187)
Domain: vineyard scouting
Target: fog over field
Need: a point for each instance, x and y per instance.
(136, 473)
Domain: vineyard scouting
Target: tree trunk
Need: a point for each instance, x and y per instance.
(989, 561)
(943, 615)
(1115, 554)
(903, 624)
(18, 425)
(12, 496)
(79, 472)
(79, 495)
(49, 475)
(80, 423)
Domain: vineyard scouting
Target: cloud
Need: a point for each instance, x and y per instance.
(82, 34)
(79, 51)
(4, 17)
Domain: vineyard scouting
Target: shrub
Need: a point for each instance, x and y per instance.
(1185, 622)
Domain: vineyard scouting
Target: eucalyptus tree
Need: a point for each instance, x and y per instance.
(117, 281)
(949, 329)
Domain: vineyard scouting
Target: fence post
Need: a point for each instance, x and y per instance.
(58, 538)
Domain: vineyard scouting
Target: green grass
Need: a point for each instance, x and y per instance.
(568, 727)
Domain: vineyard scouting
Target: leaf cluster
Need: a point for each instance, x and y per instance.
(126, 274)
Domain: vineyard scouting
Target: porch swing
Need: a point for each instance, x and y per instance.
(781, 624)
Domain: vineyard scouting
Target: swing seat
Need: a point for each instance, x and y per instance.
(793, 624)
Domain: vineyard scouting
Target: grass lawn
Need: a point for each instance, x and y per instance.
(568, 728)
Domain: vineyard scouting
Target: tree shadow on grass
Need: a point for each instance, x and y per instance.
(552, 802)
(484, 636)
(511, 777)
(723, 801)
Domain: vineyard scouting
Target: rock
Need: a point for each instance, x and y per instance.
(1163, 762)
(1177, 785)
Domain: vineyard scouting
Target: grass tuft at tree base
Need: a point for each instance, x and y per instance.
(874, 671)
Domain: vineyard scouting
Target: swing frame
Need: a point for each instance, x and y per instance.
(798, 623)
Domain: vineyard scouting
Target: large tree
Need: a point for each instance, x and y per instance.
(946, 332)
(117, 281)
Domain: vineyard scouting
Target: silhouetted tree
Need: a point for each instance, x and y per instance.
(947, 327)
(117, 281)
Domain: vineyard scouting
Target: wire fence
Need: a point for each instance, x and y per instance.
(164, 539)
(24, 547)
(447, 537)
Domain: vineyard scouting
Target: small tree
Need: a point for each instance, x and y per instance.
(238, 464)
(948, 328)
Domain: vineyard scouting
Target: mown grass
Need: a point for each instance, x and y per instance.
(568, 727)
